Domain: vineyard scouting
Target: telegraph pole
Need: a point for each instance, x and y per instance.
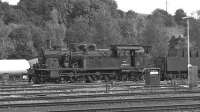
(188, 38)
(166, 3)
(187, 18)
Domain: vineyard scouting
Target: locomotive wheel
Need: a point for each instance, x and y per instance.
(94, 77)
(42, 80)
(124, 77)
(35, 80)
(106, 78)
(57, 80)
(131, 78)
(118, 77)
(89, 79)
(82, 79)
(71, 79)
(98, 78)
(67, 79)
(112, 76)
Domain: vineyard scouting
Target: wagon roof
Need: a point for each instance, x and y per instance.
(14, 66)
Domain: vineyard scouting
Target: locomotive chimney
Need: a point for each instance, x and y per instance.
(48, 44)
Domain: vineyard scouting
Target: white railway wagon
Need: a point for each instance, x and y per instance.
(13, 68)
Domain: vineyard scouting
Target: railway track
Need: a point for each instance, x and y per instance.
(66, 98)
(78, 87)
(95, 88)
(73, 85)
(75, 95)
(52, 91)
(118, 104)
(156, 108)
(62, 87)
(86, 90)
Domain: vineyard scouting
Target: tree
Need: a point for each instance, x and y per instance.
(39, 37)
(11, 14)
(179, 14)
(198, 14)
(177, 42)
(37, 11)
(194, 32)
(23, 46)
(80, 31)
(28, 25)
(155, 36)
(56, 31)
(131, 14)
(128, 31)
(162, 16)
(80, 8)
(6, 46)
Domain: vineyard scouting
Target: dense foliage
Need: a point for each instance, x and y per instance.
(25, 28)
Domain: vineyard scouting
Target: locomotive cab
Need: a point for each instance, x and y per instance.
(133, 59)
(132, 55)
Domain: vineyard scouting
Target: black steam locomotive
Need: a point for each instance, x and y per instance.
(85, 63)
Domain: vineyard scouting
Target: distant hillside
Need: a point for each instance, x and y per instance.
(25, 28)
